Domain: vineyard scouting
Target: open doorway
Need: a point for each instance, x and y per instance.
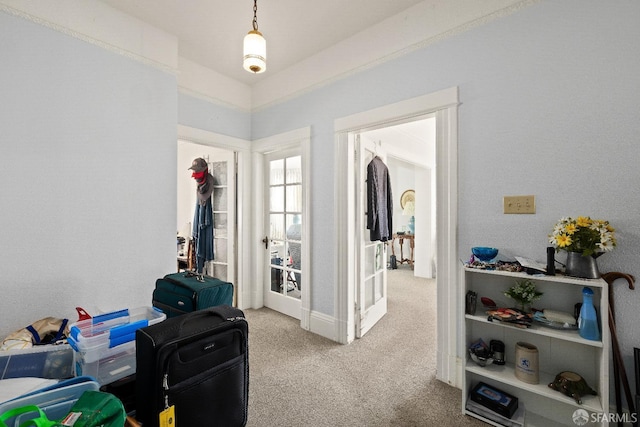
(410, 149)
(444, 106)
(221, 165)
(380, 183)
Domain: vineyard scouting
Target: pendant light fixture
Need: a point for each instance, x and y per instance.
(255, 47)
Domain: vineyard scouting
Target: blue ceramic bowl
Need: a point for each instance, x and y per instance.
(484, 253)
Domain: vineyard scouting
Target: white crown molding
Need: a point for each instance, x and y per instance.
(99, 24)
(96, 23)
(280, 141)
(202, 82)
(413, 29)
(204, 137)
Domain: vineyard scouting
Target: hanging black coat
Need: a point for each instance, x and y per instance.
(379, 201)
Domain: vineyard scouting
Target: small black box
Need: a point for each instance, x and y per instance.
(498, 401)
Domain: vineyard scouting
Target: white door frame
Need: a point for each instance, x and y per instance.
(243, 148)
(445, 106)
(295, 138)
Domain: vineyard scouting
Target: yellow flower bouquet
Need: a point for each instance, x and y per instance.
(583, 235)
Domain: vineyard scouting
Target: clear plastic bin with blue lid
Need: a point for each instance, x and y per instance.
(112, 329)
(104, 346)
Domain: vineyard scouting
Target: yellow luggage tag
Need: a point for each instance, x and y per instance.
(168, 417)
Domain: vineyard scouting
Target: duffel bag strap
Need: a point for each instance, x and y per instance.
(40, 421)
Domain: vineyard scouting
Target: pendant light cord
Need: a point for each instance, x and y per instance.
(255, 15)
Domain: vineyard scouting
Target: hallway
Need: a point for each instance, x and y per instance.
(385, 379)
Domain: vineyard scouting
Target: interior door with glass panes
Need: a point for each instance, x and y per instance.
(371, 281)
(222, 168)
(283, 221)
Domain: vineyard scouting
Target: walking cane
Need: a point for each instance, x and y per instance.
(619, 371)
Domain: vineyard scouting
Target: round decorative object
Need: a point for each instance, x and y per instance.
(578, 265)
(407, 196)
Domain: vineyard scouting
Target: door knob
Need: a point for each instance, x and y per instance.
(266, 242)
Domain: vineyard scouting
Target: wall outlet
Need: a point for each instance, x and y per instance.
(519, 204)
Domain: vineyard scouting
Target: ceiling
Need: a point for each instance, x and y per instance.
(412, 142)
(210, 32)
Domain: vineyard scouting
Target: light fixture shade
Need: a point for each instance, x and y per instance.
(255, 52)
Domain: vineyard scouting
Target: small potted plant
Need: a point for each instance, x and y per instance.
(524, 292)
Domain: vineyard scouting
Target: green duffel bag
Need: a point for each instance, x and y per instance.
(95, 409)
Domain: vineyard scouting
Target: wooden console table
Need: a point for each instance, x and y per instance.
(401, 238)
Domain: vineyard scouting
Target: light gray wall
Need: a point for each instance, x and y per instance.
(202, 114)
(87, 176)
(549, 106)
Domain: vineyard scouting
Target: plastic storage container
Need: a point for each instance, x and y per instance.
(104, 346)
(115, 328)
(55, 400)
(43, 361)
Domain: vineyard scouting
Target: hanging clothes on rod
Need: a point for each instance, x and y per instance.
(379, 201)
(202, 232)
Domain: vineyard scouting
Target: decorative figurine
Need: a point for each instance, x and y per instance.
(572, 385)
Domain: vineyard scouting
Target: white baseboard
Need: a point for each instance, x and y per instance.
(323, 325)
(459, 372)
(449, 369)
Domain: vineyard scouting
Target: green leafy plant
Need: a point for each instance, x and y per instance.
(524, 292)
(584, 235)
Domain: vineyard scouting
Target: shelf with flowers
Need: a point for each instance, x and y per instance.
(584, 239)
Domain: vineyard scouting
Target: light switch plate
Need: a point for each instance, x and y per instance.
(519, 204)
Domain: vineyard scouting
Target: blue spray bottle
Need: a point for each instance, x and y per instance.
(588, 321)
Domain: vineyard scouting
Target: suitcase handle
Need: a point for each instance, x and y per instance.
(221, 311)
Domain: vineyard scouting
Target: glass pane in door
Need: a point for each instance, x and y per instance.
(277, 172)
(372, 271)
(294, 240)
(294, 198)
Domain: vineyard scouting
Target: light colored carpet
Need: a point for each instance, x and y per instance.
(386, 378)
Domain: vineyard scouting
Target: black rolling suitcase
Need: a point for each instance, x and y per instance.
(196, 365)
(179, 293)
